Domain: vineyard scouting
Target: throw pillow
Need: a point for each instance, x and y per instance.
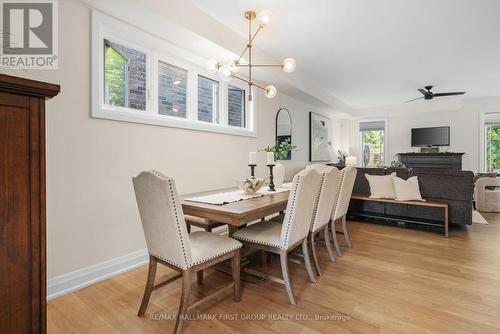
(381, 186)
(407, 190)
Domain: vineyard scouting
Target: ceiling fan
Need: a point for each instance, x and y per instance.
(428, 95)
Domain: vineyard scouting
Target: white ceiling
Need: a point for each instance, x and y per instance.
(374, 53)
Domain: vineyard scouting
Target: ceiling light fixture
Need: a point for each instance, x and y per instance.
(228, 72)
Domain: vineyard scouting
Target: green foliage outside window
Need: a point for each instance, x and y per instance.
(115, 77)
(372, 142)
(493, 148)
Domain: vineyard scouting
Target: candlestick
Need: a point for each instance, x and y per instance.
(252, 158)
(252, 170)
(271, 177)
(270, 158)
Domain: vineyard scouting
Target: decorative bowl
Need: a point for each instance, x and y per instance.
(250, 185)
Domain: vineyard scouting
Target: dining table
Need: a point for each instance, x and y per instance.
(236, 214)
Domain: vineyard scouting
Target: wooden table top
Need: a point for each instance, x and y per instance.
(236, 213)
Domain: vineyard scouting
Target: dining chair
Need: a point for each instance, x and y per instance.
(203, 223)
(282, 238)
(340, 212)
(318, 167)
(169, 243)
(329, 190)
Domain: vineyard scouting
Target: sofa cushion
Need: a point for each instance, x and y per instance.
(407, 190)
(381, 186)
(361, 186)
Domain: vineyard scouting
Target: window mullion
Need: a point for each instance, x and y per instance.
(192, 92)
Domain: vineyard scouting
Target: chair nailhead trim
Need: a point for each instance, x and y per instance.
(258, 242)
(175, 203)
(217, 255)
(291, 213)
(315, 213)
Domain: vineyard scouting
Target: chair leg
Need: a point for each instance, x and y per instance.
(286, 276)
(335, 241)
(315, 255)
(235, 264)
(186, 292)
(307, 260)
(346, 232)
(199, 277)
(263, 258)
(326, 234)
(149, 285)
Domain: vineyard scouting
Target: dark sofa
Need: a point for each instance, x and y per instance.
(451, 186)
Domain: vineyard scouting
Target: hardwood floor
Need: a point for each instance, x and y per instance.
(393, 280)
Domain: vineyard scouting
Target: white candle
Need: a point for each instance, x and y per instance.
(270, 158)
(252, 158)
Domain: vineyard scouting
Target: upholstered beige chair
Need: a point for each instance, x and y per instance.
(282, 238)
(328, 195)
(318, 167)
(202, 223)
(340, 211)
(487, 194)
(169, 243)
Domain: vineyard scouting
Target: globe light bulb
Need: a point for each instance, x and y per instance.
(212, 66)
(264, 17)
(225, 73)
(270, 91)
(289, 65)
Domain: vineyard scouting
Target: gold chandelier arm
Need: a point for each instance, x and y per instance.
(248, 82)
(260, 65)
(250, 42)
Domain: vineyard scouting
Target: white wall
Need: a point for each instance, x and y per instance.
(463, 118)
(91, 211)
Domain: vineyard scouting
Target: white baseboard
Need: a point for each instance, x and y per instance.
(81, 278)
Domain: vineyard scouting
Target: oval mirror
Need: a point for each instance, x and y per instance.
(284, 128)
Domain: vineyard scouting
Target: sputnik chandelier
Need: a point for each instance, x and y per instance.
(230, 71)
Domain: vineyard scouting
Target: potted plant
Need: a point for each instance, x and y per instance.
(342, 156)
(281, 151)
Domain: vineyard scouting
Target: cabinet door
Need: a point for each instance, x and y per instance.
(20, 202)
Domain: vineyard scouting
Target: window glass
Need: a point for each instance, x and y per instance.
(208, 100)
(124, 76)
(172, 97)
(236, 106)
(372, 148)
(492, 154)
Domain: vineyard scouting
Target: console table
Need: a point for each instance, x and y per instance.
(432, 160)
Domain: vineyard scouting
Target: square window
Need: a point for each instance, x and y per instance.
(208, 100)
(172, 90)
(124, 76)
(236, 106)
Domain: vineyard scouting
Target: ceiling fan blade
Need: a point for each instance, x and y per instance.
(449, 94)
(418, 98)
(423, 91)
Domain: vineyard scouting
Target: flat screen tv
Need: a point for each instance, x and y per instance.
(424, 137)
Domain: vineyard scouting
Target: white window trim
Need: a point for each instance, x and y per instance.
(156, 49)
(386, 138)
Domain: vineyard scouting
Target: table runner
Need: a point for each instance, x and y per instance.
(236, 195)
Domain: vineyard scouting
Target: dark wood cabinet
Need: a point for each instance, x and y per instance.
(432, 160)
(22, 204)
